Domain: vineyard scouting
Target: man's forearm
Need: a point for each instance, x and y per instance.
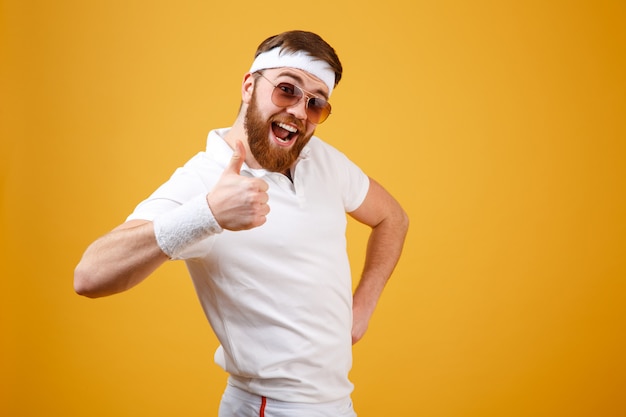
(383, 252)
(118, 261)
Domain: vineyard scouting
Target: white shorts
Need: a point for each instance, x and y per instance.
(239, 403)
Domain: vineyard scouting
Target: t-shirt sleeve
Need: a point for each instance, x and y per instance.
(358, 192)
(196, 177)
(353, 181)
(184, 184)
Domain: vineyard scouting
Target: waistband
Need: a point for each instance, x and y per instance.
(250, 398)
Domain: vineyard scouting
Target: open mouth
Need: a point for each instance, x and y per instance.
(284, 132)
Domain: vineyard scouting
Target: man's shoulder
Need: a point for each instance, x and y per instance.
(322, 150)
(215, 142)
(319, 145)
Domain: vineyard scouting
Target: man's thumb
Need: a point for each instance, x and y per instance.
(238, 158)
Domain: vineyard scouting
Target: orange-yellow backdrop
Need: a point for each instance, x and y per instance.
(500, 126)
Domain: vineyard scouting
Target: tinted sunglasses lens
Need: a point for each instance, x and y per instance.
(286, 94)
(317, 110)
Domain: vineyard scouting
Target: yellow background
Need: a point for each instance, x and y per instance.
(500, 127)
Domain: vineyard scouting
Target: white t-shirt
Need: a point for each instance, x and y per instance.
(279, 296)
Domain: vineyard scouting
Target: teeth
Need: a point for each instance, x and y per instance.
(288, 127)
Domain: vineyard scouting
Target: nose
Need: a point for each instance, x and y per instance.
(298, 110)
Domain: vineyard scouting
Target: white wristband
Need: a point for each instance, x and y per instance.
(180, 228)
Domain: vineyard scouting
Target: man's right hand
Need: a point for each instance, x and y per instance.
(236, 201)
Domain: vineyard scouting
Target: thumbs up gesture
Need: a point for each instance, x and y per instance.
(238, 202)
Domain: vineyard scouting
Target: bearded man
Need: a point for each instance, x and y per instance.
(275, 285)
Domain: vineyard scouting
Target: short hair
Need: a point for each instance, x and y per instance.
(309, 42)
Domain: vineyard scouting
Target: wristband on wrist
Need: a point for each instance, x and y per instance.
(180, 228)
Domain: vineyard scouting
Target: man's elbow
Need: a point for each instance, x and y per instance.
(84, 282)
(401, 220)
(405, 222)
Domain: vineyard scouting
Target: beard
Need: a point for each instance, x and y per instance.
(268, 155)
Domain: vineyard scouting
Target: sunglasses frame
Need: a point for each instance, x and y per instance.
(307, 95)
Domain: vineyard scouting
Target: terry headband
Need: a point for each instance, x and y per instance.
(277, 58)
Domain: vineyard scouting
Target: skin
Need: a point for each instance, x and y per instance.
(129, 253)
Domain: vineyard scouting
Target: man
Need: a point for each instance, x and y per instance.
(275, 284)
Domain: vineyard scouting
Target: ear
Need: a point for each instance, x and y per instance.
(247, 86)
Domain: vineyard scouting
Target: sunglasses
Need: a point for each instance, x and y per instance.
(287, 95)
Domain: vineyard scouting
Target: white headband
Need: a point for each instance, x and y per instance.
(277, 58)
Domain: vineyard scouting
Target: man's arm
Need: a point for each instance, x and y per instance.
(126, 256)
(389, 224)
(118, 260)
